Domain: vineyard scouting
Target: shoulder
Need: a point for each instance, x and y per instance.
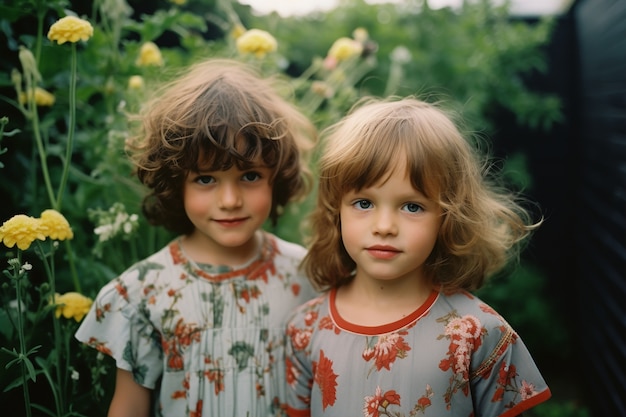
(164, 258)
(130, 283)
(469, 311)
(286, 248)
(465, 303)
(306, 314)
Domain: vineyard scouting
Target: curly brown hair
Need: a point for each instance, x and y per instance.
(482, 222)
(218, 114)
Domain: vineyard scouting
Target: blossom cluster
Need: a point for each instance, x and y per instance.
(113, 222)
(257, 42)
(72, 305)
(345, 48)
(43, 98)
(70, 29)
(23, 230)
(149, 55)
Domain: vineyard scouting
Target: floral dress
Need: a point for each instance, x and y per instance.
(453, 356)
(210, 339)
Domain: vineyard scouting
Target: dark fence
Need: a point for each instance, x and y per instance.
(579, 173)
(599, 211)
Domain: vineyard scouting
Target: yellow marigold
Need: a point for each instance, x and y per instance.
(149, 54)
(70, 29)
(257, 42)
(135, 82)
(345, 48)
(72, 305)
(237, 31)
(21, 230)
(55, 226)
(43, 98)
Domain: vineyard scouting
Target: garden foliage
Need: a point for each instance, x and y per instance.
(72, 72)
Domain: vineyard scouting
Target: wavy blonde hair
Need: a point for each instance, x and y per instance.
(218, 113)
(482, 223)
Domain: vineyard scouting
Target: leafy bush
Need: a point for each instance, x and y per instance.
(64, 123)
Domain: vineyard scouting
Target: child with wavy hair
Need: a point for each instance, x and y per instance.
(407, 223)
(201, 322)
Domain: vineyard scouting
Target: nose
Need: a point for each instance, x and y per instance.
(229, 196)
(385, 223)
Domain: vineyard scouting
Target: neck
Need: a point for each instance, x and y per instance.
(375, 303)
(203, 251)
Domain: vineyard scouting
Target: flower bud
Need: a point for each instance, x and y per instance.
(29, 65)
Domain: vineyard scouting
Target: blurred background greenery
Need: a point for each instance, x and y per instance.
(477, 59)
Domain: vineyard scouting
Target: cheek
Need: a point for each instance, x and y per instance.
(261, 200)
(193, 203)
(349, 233)
(429, 237)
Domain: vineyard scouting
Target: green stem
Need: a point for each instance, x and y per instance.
(40, 15)
(70, 259)
(71, 128)
(22, 339)
(34, 115)
(49, 266)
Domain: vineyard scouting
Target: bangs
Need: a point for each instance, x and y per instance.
(216, 137)
(376, 151)
(248, 148)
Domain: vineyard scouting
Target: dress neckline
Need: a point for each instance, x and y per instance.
(384, 328)
(257, 268)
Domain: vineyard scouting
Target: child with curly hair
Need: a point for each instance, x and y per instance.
(201, 322)
(407, 223)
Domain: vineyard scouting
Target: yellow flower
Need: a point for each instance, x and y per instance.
(135, 82)
(345, 48)
(21, 230)
(257, 42)
(322, 89)
(179, 2)
(72, 305)
(360, 35)
(149, 54)
(43, 98)
(55, 226)
(70, 29)
(237, 31)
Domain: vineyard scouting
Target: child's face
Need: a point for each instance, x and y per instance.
(227, 208)
(389, 229)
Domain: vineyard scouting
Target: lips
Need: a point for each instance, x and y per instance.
(383, 251)
(230, 222)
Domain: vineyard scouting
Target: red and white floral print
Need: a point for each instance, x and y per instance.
(464, 356)
(213, 336)
(377, 405)
(386, 349)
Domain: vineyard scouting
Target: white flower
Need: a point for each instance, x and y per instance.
(400, 54)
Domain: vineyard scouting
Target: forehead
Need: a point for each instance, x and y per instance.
(402, 180)
(396, 179)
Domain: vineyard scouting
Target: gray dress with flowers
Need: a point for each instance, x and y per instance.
(452, 357)
(209, 338)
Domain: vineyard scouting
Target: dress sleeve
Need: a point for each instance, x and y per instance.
(507, 382)
(298, 367)
(118, 325)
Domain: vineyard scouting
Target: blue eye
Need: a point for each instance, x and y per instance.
(362, 204)
(412, 207)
